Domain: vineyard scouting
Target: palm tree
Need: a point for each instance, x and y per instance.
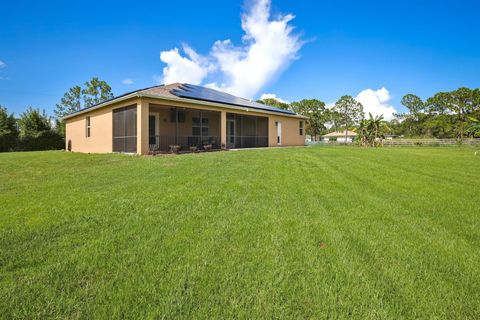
(376, 124)
(371, 130)
(363, 132)
(474, 128)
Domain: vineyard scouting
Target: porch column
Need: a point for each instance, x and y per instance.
(142, 126)
(223, 128)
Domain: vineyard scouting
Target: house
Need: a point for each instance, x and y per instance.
(390, 136)
(340, 136)
(180, 116)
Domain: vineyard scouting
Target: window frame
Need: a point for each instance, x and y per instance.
(301, 127)
(200, 125)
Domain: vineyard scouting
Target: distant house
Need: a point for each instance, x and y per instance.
(340, 136)
(390, 136)
(180, 116)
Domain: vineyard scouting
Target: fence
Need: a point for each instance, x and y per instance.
(410, 142)
(430, 142)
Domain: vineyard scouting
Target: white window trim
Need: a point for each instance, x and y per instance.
(278, 125)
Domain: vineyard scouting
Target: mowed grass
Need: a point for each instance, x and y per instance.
(318, 232)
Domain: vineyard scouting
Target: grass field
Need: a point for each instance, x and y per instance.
(319, 232)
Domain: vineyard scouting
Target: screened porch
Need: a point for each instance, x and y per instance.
(182, 129)
(246, 131)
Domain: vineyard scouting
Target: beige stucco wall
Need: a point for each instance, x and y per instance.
(290, 131)
(143, 111)
(101, 124)
(101, 129)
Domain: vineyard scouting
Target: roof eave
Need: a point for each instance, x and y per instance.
(101, 105)
(193, 101)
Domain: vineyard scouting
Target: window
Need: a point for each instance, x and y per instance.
(199, 126)
(87, 127)
(301, 128)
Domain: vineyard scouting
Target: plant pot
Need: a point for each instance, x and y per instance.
(174, 148)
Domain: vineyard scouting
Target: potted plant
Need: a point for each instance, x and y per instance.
(174, 148)
(193, 148)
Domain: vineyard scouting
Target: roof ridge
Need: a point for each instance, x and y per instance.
(147, 88)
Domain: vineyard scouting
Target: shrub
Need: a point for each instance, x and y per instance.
(45, 140)
(36, 132)
(8, 131)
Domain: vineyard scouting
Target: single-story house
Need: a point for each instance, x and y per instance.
(390, 136)
(182, 116)
(340, 136)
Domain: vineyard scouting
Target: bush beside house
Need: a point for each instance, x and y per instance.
(31, 132)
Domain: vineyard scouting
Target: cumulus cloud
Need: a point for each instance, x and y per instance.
(377, 103)
(191, 68)
(2, 64)
(268, 46)
(273, 96)
(127, 81)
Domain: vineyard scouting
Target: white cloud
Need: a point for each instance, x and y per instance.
(192, 69)
(273, 96)
(376, 102)
(2, 64)
(268, 46)
(127, 81)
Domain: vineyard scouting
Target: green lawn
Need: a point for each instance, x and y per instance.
(319, 232)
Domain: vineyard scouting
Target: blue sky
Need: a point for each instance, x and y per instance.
(343, 47)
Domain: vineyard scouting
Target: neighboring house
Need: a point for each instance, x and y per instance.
(157, 118)
(340, 136)
(390, 136)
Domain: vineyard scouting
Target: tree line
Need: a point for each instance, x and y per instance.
(36, 130)
(454, 114)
